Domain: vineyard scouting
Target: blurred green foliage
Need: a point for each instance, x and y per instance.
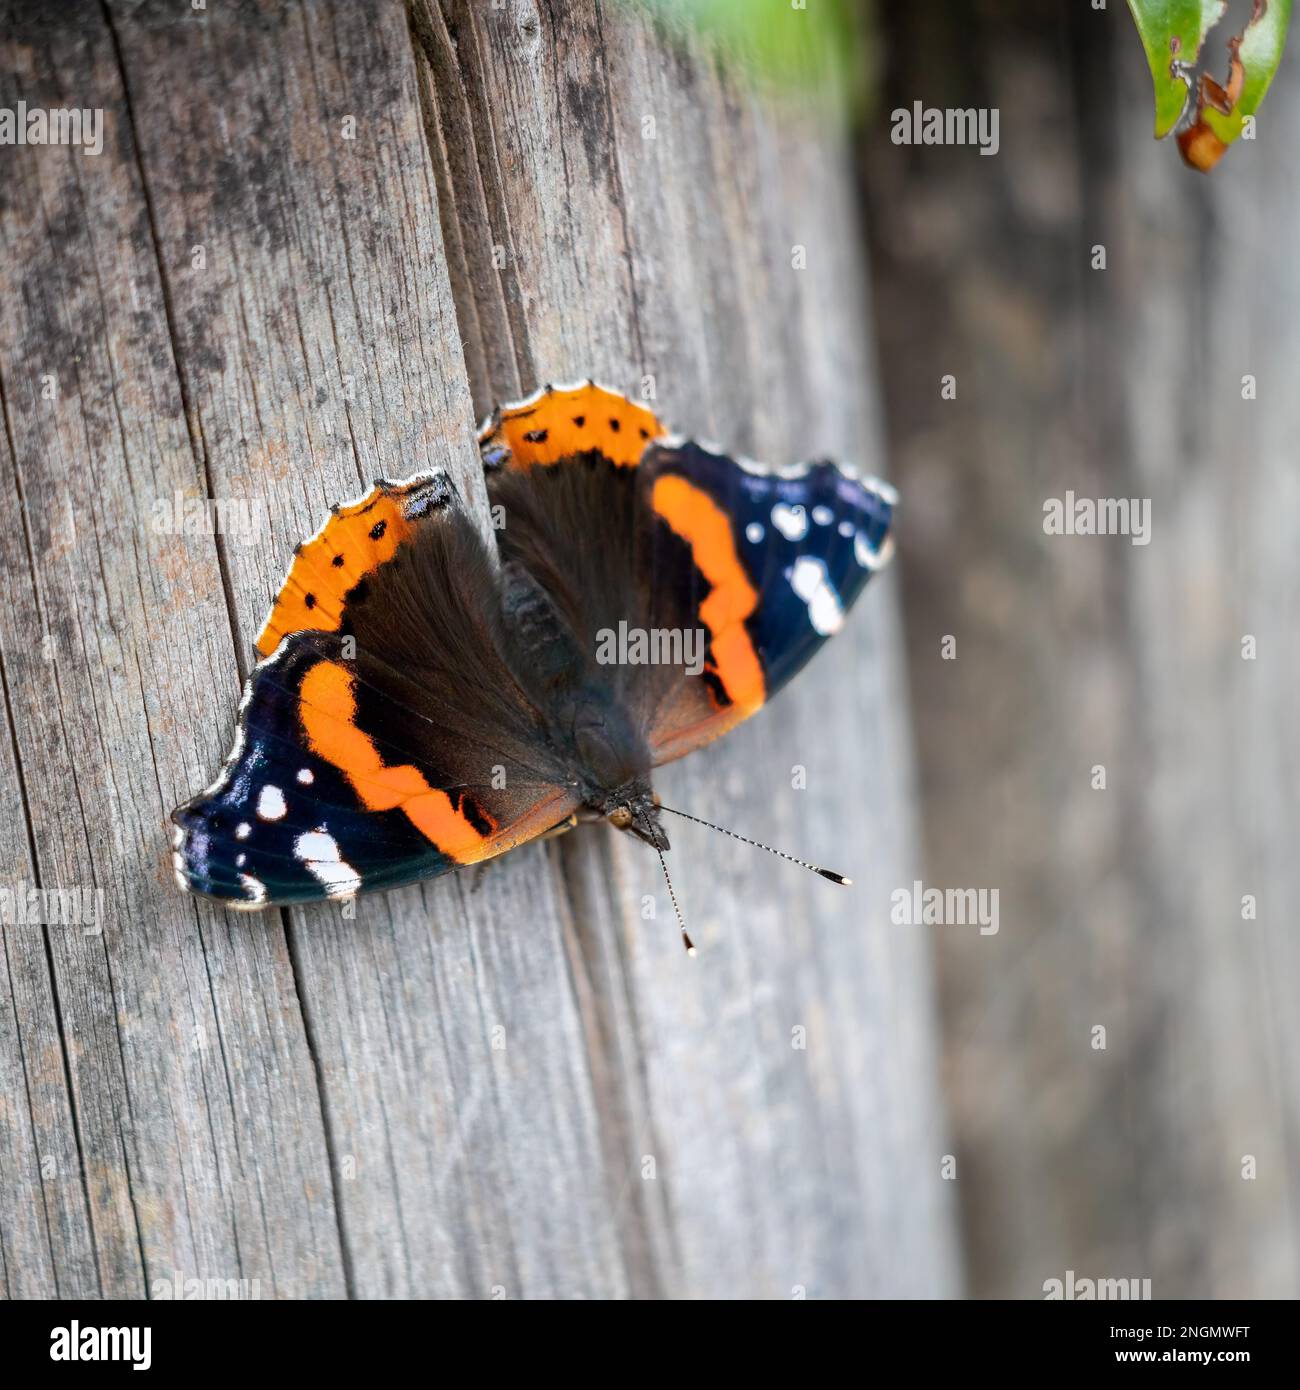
(817, 49)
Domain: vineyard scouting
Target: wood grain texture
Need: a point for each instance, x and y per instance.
(276, 283)
(174, 1124)
(647, 212)
(1123, 907)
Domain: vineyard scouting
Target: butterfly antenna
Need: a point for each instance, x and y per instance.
(686, 936)
(758, 844)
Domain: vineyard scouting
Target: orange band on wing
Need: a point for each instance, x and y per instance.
(328, 707)
(705, 527)
(560, 422)
(355, 541)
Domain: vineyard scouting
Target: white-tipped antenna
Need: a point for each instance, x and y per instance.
(758, 844)
(686, 936)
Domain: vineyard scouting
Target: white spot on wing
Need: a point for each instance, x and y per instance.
(809, 580)
(243, 830)
(754, 532)
(270, 803)
(868, 558)
(254, 887)
(320, 855)
(822, 515)
(306, 776)
(792, 522)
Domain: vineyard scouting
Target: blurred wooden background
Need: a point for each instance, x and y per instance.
(1123, 907)
(320, 237)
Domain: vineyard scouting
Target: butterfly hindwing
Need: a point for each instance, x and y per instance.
(559, 423)
(339, 559)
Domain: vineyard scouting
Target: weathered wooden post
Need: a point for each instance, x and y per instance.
(317, 236)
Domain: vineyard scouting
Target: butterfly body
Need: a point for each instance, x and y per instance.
(427, 701)
(584, 727)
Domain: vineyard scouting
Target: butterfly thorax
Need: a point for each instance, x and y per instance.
(585, 725)
(609, 763)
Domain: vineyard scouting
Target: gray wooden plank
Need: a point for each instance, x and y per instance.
(452, 1092)
(45, 1243)
(1120, 908)
(1220, 799)
(671, 257)
(321, 349)
(187, 1141)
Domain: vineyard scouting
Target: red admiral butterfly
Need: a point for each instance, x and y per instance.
(422, 704)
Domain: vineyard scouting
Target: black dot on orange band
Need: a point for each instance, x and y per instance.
(310, 600)
(645, 434)
(615, 426)
(377, 530)
(579, 420)
(337, 562)
(536, 436)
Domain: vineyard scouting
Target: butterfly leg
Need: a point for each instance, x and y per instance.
(556, 830)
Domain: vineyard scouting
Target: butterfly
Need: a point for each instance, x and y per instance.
(423, 702)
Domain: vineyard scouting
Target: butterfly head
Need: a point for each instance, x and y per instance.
(635, 808)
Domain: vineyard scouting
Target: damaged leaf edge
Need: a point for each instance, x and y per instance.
(1254, 56)
(1172, 56)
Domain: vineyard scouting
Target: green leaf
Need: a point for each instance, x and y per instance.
(1173, 30)
(1261, 52)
